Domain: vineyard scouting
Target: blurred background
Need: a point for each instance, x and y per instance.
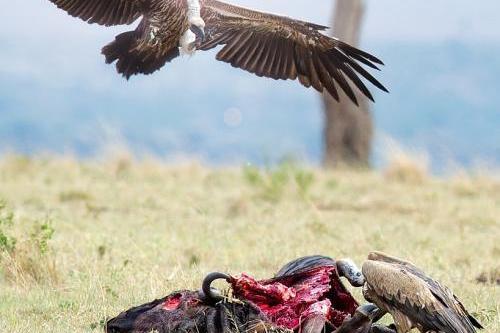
(442, 68)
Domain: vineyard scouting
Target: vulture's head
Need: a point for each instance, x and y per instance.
(348, 269)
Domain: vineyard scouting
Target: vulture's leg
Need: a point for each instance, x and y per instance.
(361, 321)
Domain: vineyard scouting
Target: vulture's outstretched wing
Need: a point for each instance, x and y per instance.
(408, 294)
(103, 12)
(282, 48)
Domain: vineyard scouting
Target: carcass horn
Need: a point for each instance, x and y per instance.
(210, 294)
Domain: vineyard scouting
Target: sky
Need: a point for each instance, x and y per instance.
(438, 56)
(386, 19)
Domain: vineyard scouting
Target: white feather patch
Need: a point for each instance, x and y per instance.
(186, 43)
(194, 10)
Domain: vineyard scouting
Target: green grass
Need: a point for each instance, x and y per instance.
(127, 232)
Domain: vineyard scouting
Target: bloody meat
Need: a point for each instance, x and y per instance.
(290, 300)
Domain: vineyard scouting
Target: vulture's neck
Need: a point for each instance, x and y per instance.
(194, 9)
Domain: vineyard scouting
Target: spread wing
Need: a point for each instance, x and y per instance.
(103, 12)
(282, 48)
(428, 304)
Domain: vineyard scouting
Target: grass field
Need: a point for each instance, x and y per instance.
(93, 239)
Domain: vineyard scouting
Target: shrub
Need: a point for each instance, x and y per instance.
(30, 259)
(7, 242)
(407, 168)
(272, 184)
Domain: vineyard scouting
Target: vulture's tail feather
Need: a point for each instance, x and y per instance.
(136, 56)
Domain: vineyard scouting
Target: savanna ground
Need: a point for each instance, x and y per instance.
(81, 241)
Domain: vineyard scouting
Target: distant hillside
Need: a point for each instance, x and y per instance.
(443, 100)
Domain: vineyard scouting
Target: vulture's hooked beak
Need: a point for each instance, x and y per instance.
(199, 33)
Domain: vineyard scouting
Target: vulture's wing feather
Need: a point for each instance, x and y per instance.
(285, 49)
(238, 11)
(440, 292)
(108, 13)
(420, 298)
(397, 285)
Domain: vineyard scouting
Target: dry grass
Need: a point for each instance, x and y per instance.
(411, 168)
(128, 232)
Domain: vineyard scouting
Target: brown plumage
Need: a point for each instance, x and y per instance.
(414, 299)
(264, 44)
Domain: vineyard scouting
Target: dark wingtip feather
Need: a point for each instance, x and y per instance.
(475, 322)
(364, 73)
(360, 53)
(383, 88)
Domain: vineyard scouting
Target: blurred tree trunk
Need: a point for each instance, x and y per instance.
(348, 129)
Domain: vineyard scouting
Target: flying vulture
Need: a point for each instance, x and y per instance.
(264, 44)
(412, 298)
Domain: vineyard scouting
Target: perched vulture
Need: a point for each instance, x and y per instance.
(412, 298)
(264, 44)
(366, 316)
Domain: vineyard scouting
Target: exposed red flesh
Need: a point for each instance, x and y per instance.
(172, 302)
(290, 300)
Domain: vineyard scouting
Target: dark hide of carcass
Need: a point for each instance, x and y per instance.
(283, 304)
(185, 312)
